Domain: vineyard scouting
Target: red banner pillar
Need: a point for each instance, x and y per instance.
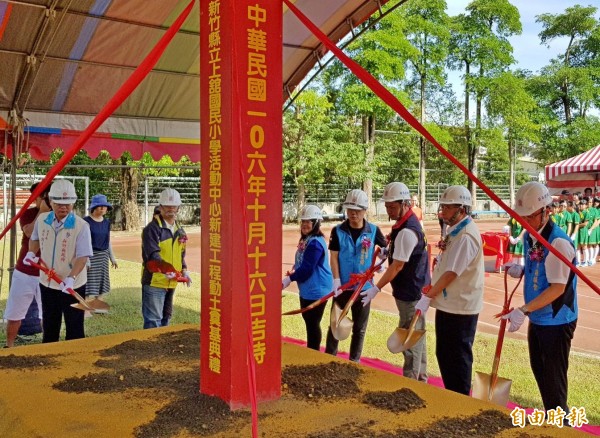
(241, 153)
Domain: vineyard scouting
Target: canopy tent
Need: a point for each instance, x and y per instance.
(60, 61)
(576, 173)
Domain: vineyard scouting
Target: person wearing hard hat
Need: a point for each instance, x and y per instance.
(408, 272)
(65, 246)
(550, 293)
(456, 290)
(163, 239)
(351, 246)
(312, 272)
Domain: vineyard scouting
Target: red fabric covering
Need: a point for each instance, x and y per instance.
(42, 145)
(433, 380)
(494, 244)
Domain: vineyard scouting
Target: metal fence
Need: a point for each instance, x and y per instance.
(329, 197)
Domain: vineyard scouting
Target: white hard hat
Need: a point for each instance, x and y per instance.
(62, 192)
(356, 200)
(531, 197)
(310, 212)
(456, 195)
(396, 191)
(169, 197)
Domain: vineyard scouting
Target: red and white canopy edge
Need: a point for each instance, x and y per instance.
(575, 173)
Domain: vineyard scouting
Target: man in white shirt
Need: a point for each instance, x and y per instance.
(457, 290)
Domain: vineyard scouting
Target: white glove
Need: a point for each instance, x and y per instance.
(170, 275)
(67, 284)
(336, 287)
(515, 270)
(512, 240)
(516, 318)
(381, 269)
(383, 254)
(423, 304)
(188, 278)
(30, 257)
(590, 232)
(369, 294)
(285, 282)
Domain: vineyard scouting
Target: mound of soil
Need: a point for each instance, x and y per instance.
(403, 400)
(322, 381)
(486, 424)
(140, 366)
(128, 366)
(27, 362)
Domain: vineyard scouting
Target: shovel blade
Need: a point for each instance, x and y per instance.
(342, 330)
(482, 389)
(399, 340)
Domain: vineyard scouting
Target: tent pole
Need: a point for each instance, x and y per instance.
(13, 209)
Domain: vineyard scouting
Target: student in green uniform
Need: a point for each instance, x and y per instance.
(594, 231)
(515, 245)
(562, 212)
(572, 222)
(582, 238)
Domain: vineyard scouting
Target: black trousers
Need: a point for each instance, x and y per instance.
(312, 320)
(55, 304)
(454, 349)
(360, 319)
(549, 347)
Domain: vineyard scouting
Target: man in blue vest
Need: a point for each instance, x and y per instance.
(408, 272)
(550, 293)
(351, 246)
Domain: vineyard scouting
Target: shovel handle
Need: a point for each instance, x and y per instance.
(413, 323)
(367, 276)
(54, 276)
(311, 305)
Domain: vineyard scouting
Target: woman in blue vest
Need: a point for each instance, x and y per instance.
(550, 293)
(351, 247)
(311, 272)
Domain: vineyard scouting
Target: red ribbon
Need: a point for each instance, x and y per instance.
(395, 104)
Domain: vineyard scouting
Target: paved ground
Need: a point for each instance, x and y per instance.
(587, 335)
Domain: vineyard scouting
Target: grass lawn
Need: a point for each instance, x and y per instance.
(125, 315)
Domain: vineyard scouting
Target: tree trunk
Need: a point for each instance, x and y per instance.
(511, 171)
(467, 124)
(368, 123)
(129, 206)
(423, 151)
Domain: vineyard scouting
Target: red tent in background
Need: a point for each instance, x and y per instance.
(576, 173)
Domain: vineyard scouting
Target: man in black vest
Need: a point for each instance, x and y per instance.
(408, 272)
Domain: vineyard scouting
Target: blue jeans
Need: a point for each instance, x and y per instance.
(157, 306)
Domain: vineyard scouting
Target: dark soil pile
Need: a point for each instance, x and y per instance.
(198, 413)
(403, 400)
(322, 381)
(133, 366)
(486, 424)
(27, 362)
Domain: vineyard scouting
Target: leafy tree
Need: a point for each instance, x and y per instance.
(569, 71)
(379, 52)
(426, 30)
(316, 145)
(510, 106)
(480, 42)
